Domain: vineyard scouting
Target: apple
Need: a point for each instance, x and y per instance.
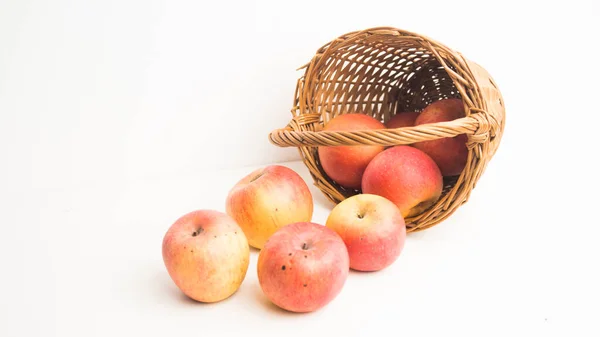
(402, 119)
(345, 164)
(268, 199)
(206, 255)
(303, 267)
(407, 177)
(450, 154)
(372, 228)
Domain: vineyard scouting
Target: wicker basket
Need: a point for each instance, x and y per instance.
(383, 71)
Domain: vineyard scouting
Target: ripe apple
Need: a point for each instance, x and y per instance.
(206, 254)
(303, 267)
(268, 199)
(372, 228)
(346, 164)
(450, 154)
(402, 119)
(407, 177)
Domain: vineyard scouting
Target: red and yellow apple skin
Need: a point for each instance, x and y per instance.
(268, 199)
(303, 267)
(401, 120)
(407, 177)
(346, 164)
(206, 255)
(450, 154)
(372, 228)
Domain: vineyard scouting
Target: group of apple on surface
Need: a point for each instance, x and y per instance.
(302, 265)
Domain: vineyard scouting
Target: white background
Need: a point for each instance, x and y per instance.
(116, 117)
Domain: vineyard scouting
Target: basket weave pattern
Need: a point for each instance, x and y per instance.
(381, 72)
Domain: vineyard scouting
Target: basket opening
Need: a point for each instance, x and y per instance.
(379, 76)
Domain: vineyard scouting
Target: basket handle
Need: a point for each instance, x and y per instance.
(476, 126)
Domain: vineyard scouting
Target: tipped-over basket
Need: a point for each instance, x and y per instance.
(383, 71)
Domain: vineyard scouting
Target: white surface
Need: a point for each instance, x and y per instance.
(87, 261)
(116, 117)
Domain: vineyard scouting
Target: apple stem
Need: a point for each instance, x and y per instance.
(255, 178)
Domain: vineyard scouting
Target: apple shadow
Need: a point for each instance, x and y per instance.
(268, 306)
(148, 286)
(360, 273)
(168, 289)
(182, 298)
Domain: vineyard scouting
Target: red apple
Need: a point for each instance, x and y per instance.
(450, 154)
(303, 267)
(407, 177)
(206, 254)
(372, 228)
(346, 164)
(268, 199)
(402, 119)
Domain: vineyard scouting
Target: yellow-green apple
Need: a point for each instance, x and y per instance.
(303, 267)
(402, 119)
(206, 254)
(268, 199)
(372, 228)
(346, 164)
(450, 154)
(407, 177)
